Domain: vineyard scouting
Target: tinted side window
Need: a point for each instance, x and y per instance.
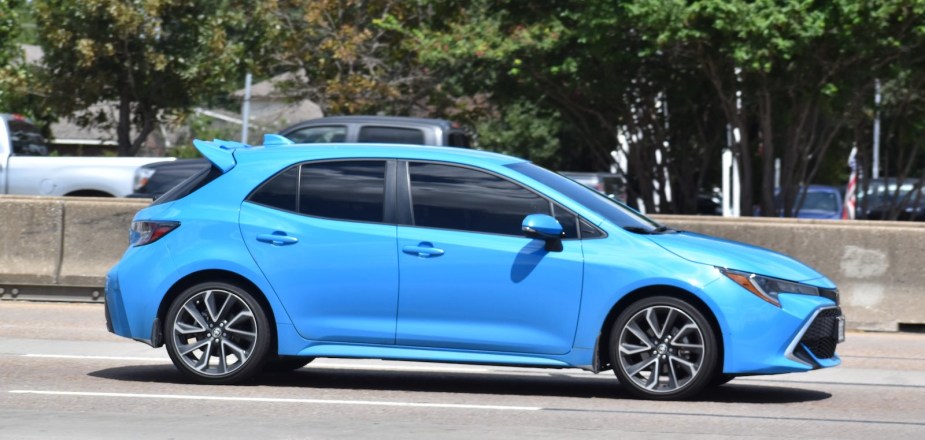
(346, 190)
(568, 221)
(451, 197)
(391, 135)
(26, 139)
(319, 135)
(458, 139)
(280, 191)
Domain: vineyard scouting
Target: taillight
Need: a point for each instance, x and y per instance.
(146, 232)
(142, 176)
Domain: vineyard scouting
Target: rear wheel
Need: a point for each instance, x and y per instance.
(663, 348)
(217, 333)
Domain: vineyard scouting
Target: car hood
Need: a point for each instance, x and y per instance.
(728, 254)
(818, 214)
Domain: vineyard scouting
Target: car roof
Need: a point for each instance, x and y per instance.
(304, 152)
(390, 120)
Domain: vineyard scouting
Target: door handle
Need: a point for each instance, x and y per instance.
(278, 238)
(423, 250)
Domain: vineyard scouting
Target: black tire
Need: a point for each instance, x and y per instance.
(217, 333)
(669, 349)
(721, 379)
(288, 363)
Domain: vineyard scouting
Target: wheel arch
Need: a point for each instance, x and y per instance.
(214, 275)
(89, 193)
(602, 350)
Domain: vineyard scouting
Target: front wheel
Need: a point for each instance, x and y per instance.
(217, 333)
(663, 348)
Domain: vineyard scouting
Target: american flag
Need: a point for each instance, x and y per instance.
(848, 210)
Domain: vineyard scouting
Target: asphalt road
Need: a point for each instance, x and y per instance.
(63, 376)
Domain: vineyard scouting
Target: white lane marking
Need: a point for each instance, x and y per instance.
(279, 400)
(100, 358)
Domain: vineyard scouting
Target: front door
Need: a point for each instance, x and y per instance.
(470, 279)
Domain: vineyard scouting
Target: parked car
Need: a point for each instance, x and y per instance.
(26, 168)
(820, 202)
(281, 254)
(154, 180)
(886, 197)
(379, 129)
(609, 184)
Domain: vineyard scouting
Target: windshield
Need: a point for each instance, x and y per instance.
(611, 209)
(821, 201)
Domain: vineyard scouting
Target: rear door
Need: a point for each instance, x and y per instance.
(319, 233)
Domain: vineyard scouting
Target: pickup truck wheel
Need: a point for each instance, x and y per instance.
(217, 333)
(88, 193)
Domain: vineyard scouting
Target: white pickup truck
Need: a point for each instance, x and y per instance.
(26, 168)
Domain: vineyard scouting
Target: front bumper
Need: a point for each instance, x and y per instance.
(816, 342)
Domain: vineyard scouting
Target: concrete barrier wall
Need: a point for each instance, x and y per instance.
(879, 267)
(61, 249)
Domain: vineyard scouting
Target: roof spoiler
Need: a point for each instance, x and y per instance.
(221, 152)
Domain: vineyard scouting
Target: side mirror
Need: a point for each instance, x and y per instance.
(546, 228)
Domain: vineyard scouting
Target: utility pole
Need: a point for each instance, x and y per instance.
(246, 108)
(875, 167)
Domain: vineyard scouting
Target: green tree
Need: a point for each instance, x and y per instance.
(346, 55)
(149, 59)
(11, 56)
(792, 76)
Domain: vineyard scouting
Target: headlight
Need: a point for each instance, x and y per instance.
(768, 288)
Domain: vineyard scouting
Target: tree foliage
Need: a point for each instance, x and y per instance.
(149, 59)
(11, 56)
(346, 57)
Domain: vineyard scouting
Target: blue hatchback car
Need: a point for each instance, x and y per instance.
(283, 253)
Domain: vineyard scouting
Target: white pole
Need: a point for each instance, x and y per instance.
(875, 167)
(246, 107)
(736, 190)
(727, 165)
(776, 172)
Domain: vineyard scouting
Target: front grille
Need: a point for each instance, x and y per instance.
(822, 335)
(831, 294)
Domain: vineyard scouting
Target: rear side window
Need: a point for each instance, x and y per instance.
(452, 197)
(26, 139)
(351, 190)
(459, 139)
(391, 135)
(348, 190)
(319, 135)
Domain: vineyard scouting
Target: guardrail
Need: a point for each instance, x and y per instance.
(59, 249)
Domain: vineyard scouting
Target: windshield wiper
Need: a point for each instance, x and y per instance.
(659, 230)
(662, 229)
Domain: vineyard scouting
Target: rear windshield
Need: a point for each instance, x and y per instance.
(190, 185)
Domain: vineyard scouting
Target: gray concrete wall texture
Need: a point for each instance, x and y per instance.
(878, 266)
(62, 241)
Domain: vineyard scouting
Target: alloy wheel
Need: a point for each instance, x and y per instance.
(661, 349)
